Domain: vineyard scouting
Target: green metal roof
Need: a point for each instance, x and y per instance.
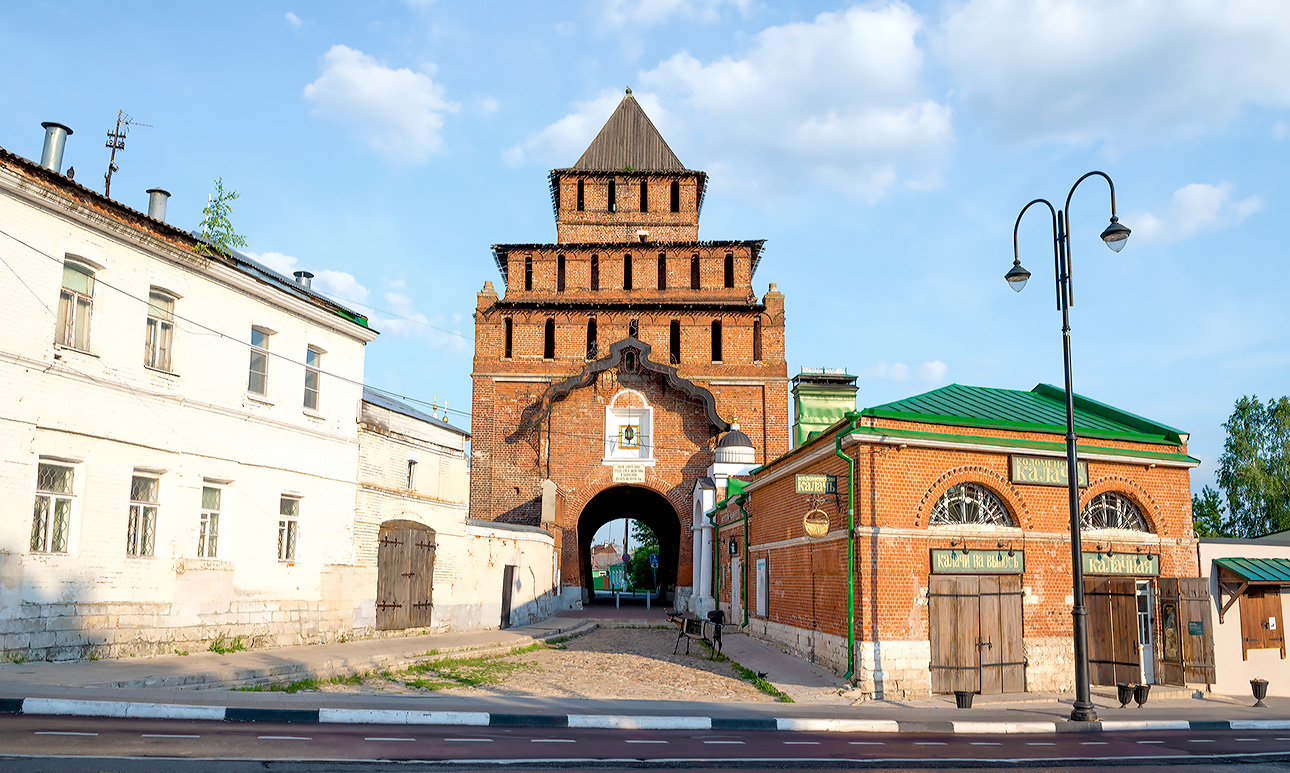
(1042, 409)
(1257, 569)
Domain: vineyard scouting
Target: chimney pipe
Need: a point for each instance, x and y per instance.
(157, 199)
(51, 157)
(304, 278)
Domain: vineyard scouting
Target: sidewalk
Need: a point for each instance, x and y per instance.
(169, 687)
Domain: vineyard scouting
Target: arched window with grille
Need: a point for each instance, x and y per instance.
(1110, 510)
(969, 503)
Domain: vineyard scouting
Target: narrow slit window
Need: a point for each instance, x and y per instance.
(662, 271)
(258, 379)
(644, 195)
(757, 340)
(613, 196)
(288, 528)
(412, 475)
(208, 527)
(559, 274)
(634, 329)
(694, 271)
(591, 339)
(627, 271)
(508, 335)
(528, 273)
(716, 340)
(674, 342)
(75, 305)
(676, 196)
(581, 201)
(313, 377)
(595, 272)
(730, 270)
(548, 341)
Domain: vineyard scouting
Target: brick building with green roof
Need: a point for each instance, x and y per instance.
(960, 558)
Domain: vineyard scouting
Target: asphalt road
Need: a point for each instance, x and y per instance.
(30, 743)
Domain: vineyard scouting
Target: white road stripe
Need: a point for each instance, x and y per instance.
(1039, 743)
(1092, 743)
(167, 735)
(929, 743)
(801, 743)
(1247, 739)
(865, 743)
(552, 740)
(738, 743)
(636, 740)
(469, 740)
(61, 732)
(984, 743)
(1150, 742)
(1200, 740)
(284, 738)
(389, 739)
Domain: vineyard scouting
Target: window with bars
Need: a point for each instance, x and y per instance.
(141, 533)
(969, 503)
(208, 528)
(258, 380)
(1110, 510)
(51, 520)
(288, 527)
(75, 305)
(313, 377)
(634, 329)
(160, 331)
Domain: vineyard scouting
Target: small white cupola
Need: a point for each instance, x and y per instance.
(735, 448)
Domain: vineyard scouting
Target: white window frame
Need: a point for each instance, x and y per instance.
(313, 368)
(261, 352)
(141, 527)
(288, 528)
(970, 504)
(208, 525)
(44, 532)
(640, 450)
(69, 333)
(1128, 517)
(159, 334)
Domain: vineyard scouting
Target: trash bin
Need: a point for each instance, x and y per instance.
(963, 698)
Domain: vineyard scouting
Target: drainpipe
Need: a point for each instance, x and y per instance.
(852, 417)
(716, 551)
(741, 501)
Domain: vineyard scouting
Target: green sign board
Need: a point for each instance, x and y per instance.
(617, 577)
(1121, 563)
(978, 562)
(1044, 471)
(1196, 627)
(817, 484)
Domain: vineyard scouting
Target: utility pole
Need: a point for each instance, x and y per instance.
(116, 141)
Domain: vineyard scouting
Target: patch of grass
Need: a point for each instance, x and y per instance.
(178, 652)
(749, 676)
(467, 671)
(17, 657)
(429, 684)
(310, 684)
(222, 647)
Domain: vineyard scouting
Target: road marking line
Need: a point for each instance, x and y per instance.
(865, 743)
(1200, 740)
(469, 740)
(1150, 741)
(929, 743)
(284, 738)
(738, 743)
(1093, 743)
(61, 732)
(1247, 739)
(1283, 739)
(635, 740)
(801, 743)
(166, 735)
(984, 743)
(552, 740)
(389, 739)
(1039, 743)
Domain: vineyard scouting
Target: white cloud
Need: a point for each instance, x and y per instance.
(651, 13)
(339, 285)
(397, 111)
(403, 319)
(896, 372)
(933, 372)
(293, 20)
(837, 99)
(1113, 71)
(1195, 208)
(1279, 130)
(487, 106)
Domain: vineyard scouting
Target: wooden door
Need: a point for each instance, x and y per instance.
(1001, 647)
(1170, 669)
(1261, 623)
(508, 588)
(1193, 615)
(1112, 604)
(404, 575)
(954, 626)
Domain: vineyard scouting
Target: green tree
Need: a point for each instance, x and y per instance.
(1254, 469)
(1207, 514)
(643, 544)
(217, 231)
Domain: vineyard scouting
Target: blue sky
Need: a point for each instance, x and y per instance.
(883, 149)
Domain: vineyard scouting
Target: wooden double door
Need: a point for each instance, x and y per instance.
(974, 623)
(1129, 642)
(404, 575)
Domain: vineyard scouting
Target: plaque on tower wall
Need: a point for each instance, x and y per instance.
(629, 473)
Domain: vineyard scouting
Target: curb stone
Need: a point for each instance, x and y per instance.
(88, 708)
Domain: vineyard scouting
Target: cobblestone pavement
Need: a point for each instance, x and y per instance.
(606, 664)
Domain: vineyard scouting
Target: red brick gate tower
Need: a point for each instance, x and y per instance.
(617, 357)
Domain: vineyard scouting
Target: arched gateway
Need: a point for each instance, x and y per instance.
(618, 358)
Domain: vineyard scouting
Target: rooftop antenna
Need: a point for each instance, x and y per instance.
(116, 141)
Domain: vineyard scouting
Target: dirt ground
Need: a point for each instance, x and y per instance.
(606, 664)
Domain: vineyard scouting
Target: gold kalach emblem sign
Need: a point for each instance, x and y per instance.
(816, 523)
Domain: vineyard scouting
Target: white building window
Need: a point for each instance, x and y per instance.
(288, 527)
(628, 430)
(1110, 510)
(160, 331)
(969, 503)
(258, 382)
(313, 377)
(75, 304)
(208, 529)
(412, 474)
(52, 520)
(141, 534)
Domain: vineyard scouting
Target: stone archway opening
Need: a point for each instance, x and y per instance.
(640, 504)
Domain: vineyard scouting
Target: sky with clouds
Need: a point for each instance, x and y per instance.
(883, 149)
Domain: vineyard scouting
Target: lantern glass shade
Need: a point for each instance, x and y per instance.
(1116, 235)
(1017, 275)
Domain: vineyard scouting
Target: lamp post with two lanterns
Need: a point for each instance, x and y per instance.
(1115, 237)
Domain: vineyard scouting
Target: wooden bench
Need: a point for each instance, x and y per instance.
(690, 627)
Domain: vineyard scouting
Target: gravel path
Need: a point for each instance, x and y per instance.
(606, 664)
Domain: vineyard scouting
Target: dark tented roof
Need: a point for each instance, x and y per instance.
(398, 406)
(629, 140)
(735, 439)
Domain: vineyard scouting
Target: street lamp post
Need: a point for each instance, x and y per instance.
(1114, 236)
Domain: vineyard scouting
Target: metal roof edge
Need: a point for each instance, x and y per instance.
(1054, 429)
(1111, 412)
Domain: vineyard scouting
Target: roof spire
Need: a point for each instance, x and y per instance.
(628, 140)
(629, 90)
